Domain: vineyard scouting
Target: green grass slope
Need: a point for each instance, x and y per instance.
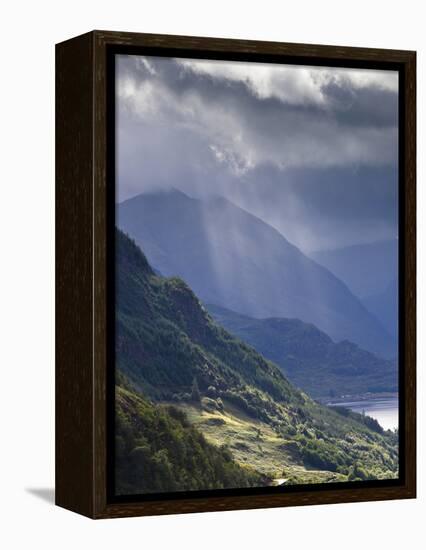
(159, 451)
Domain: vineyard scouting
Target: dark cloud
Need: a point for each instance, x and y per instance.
(312, 152)
(371, 107)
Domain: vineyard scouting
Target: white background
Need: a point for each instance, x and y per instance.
(29, 31)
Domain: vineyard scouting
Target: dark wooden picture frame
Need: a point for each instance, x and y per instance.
(84, 265)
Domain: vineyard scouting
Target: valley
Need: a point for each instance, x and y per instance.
(235, 260)
(309, 357)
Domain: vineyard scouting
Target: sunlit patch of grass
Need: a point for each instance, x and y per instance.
(254, 443)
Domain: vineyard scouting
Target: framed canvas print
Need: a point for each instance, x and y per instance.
(235, 240)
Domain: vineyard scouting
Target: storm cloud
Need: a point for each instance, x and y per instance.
(313, 151)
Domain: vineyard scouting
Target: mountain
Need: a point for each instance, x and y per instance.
(171, 352)
(309, 358)
(162, 326)
(367, 269)
(384, 305)
(233, 259)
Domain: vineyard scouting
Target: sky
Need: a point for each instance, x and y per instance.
(312, 151)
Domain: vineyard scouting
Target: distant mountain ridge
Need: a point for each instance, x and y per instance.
(233, 259)
(309, 358)
(367, 269)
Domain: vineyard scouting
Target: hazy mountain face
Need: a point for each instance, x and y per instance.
(310, 151)
(370, 271)
(367, 269)
(235, 260)
(384, 305)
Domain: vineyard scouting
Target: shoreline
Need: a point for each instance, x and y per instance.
(357, 397)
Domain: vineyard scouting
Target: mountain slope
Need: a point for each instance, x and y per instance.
(171, 350)
(162, 327)
(384, 305)
(367, 269)
(309, 358)
(233, 259)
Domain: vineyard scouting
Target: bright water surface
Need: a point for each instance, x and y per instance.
(383, 409)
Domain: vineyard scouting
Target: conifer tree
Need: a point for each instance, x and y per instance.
(195, 391)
